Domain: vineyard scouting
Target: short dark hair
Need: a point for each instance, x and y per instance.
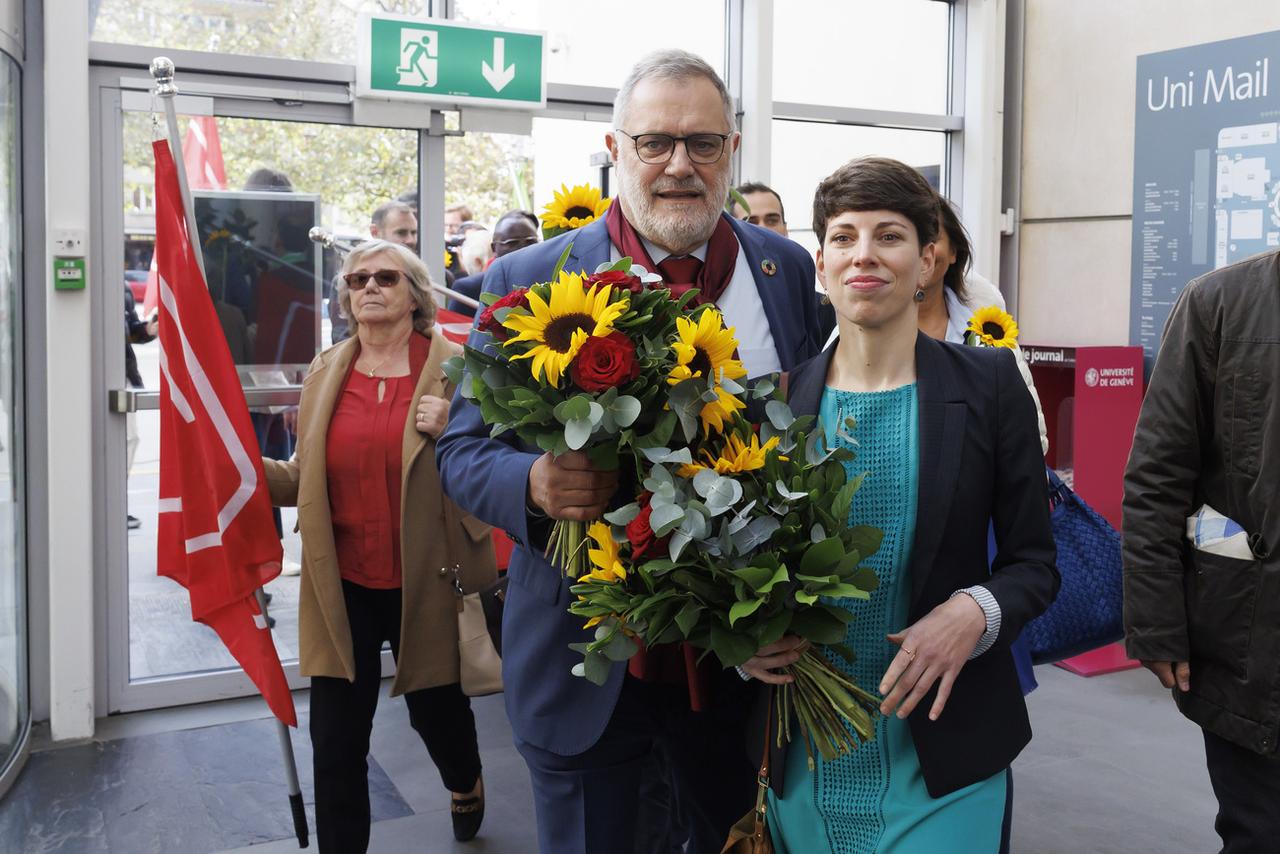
(265, 178)
(757, 187)
(959, 237)
(385, 209)
(518, 214)
(874, 184)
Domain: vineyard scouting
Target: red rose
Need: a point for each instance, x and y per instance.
(641, 536)
(605, 363)
(617, 279)
(489, 323)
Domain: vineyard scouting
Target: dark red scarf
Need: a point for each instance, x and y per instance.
(712, 278)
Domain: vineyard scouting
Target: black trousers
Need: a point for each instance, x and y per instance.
(596, 801)
(1248, 788)
(342, 719)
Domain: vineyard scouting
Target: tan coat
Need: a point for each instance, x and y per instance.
(434, 536)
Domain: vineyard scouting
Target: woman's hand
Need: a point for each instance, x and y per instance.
(778, 654)
(433, 415)
(933, 649)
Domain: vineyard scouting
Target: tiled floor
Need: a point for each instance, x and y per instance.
(1113, 768)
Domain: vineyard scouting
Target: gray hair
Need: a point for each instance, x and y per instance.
(671, 64)
(415, 272)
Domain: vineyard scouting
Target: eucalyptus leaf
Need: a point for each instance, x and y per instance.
(676, 545)
(763, 387)
(816, 534)
(623, 515)
(788, 494)
(595, 412)
(625, 410)
(454, 369)
(756, 534)
(665, 519)
(779, 414)
(576, 433)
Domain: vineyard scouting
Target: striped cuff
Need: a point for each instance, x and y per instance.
(991, 610)
(744, 675)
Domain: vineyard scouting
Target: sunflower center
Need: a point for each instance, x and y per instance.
(559, 332)
(578, 211)
(995, 330)
(700, 364)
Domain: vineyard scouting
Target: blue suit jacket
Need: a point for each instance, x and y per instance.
(548, 706)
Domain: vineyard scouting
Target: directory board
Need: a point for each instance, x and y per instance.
(1206, 170)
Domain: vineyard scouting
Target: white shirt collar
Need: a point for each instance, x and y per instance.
(659, 254)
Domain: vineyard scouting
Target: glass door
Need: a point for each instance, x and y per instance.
(260, 184)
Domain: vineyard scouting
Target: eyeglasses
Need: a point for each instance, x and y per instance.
(384, 278)
(516, 242)
(659, 147)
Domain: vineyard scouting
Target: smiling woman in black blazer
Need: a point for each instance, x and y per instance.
(948, 435)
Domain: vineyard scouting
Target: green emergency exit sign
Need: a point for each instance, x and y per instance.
(430, 59)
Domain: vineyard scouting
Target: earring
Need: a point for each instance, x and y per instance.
(919, 294)
(825, 299)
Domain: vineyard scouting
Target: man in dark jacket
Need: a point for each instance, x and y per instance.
(1201, 524)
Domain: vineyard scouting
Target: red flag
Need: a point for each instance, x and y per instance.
(202, 159)
(202, 155)
(215, 536)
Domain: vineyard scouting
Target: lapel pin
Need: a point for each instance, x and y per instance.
(768, 266)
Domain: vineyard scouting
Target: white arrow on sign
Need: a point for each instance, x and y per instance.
(498, 76)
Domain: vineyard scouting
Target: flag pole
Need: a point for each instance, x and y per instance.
(162, 69)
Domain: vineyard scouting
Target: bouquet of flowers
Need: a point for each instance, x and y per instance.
(737, 533)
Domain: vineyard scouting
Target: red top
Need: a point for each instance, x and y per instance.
(362, 456)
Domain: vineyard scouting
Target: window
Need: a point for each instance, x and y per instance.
(806, 152)
(862, 53)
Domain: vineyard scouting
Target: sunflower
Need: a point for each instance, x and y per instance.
(735, 457)
(604, 557)
(706, 349)
(573, 209)
(993, 327)
(559, 327)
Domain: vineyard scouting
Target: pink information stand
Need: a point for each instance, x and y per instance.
(1091, 397)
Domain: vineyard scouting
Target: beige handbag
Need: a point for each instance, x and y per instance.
(479, 664)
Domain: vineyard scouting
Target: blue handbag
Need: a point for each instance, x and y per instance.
(1088, 611)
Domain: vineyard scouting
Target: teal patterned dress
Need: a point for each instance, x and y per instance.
(874, 800)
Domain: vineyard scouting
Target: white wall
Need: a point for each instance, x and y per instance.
(1077, 157)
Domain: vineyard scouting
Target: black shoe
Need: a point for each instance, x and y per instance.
(467, 814)
(266, 597)
(134, 523)
(271, 622)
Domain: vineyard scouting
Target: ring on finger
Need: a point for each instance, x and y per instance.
(911, 653)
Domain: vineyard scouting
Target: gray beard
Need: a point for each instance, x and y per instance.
(677, 233)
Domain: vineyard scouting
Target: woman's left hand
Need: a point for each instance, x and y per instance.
(433, 415)
(933, 649)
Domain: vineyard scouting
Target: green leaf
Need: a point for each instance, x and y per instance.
(731, 647)
(775, 627)
(806, 598)
(743, 609)
(865, 539)
(564, 256)
(819, 626)
(821, 558)
(688, 617)
(755, 576)
(844, 591)
(865, 578)
(780, 576)
(454, 369)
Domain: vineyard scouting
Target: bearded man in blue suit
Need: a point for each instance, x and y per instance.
(586, 745)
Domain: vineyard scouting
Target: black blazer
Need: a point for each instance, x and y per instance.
(980, 460)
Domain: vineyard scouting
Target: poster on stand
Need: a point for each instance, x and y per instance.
(1206, 170)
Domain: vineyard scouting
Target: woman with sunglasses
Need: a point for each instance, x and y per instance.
(381, 544)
